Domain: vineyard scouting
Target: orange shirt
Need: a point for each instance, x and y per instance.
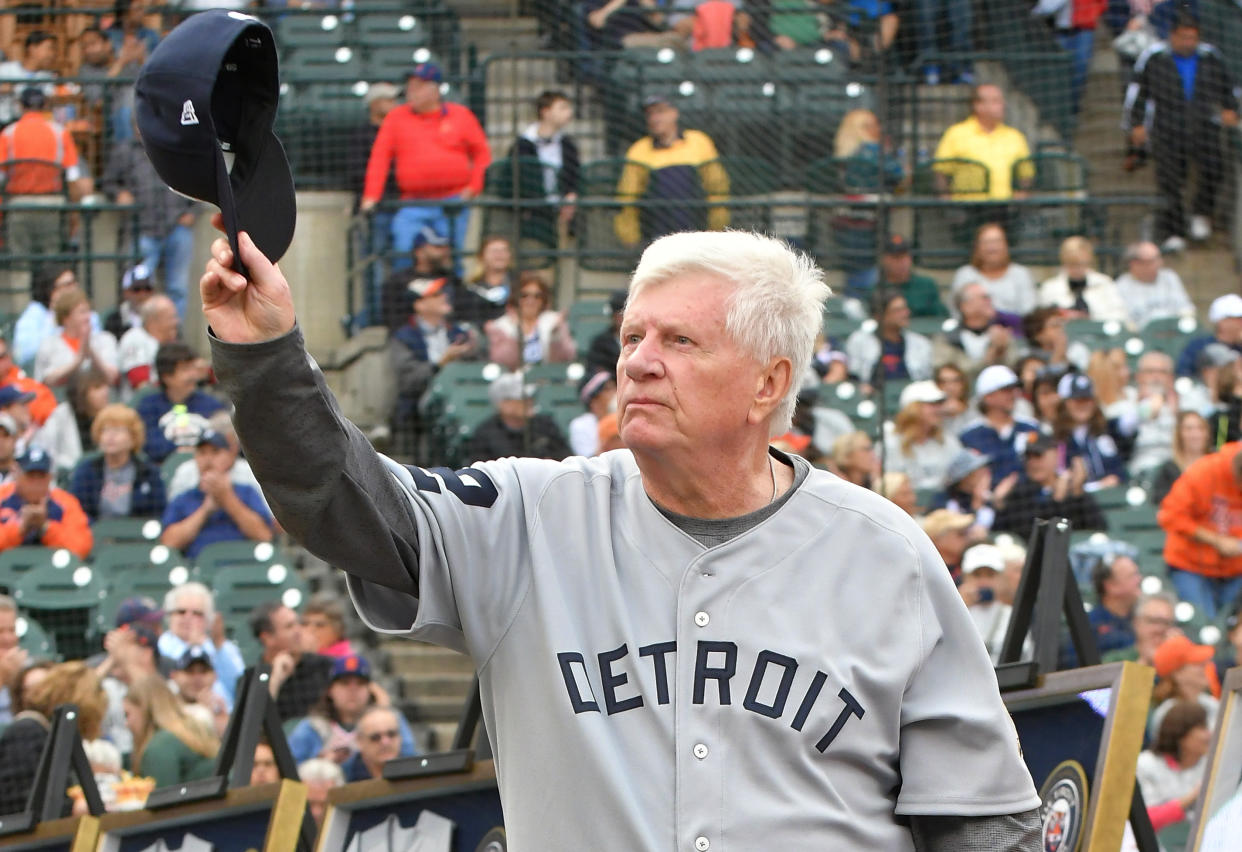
(1205, 496)
(35, 136)
(67, 525)
(44, 403)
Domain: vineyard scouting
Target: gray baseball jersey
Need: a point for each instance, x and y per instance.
(801, 686)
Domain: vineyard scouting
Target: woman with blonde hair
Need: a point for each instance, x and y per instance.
(855, 460)
(859, 137)
(1009, 284)
(118, 482)
(530, 332)
(170, 745)
(1079, 289)
(898, 490)
(76, 347)
(1109, 371)
(1192, 440)
(917, 444)
(21, 745)
(486, 292)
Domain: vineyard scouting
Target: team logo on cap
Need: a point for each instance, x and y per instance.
(187, 114)
(1064, 797)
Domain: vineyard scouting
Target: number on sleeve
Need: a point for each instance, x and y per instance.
(470, 485)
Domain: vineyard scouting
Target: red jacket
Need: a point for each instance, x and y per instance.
(1087, 12)
(438, 154)
(1206, 496)
(67, 525)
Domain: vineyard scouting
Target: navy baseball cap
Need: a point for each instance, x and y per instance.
(351, 665)
(1075, 386)
(140, 610)
(11, 394)
(429, 236)
(214, 438)
(206, 102)
(194, 654)
(428, 71)
(35, 459)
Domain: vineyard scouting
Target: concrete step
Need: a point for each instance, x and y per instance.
(417, 659)
(446, 685)
(435, 709)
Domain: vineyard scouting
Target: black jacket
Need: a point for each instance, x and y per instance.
(1028, 503)
(149, 496)
(1157, 86)
(494, 440)
(569, 177)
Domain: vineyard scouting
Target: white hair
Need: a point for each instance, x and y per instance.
(321, 769)
(777, 304)
(176, 593)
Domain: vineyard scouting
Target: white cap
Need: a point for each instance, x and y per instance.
(994, 378)
(924, 391)
(1225, 307)
(983, 556)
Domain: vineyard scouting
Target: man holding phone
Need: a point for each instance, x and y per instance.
(982, 568)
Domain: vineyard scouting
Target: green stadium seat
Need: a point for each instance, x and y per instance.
(839, 328)
(392, 28)
(1170, 334)
(1132, 519)
(156, 559)
(809, 65)
(66, 600)
(16, 562)
(1059, 172)
(322, 64)
(138, 581)
(567, 374)
(34, 640)
(215, 557)
(317, 30)
(927, 326)
(174, 460)
(241, 587)
(586, 329)
(1111, 498)
(1095, 334)
(391, 62)
(125, 531)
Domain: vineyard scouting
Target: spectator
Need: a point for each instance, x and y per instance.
(605, 347)
(194, 623)
(1109, 372)
(170, 745)
(1047, 492)
(530, 332)
(319, 776)
(131, 654)
(1202, 520)
(547, 141)
(1186, 84)
(379, 741)
(381, 99)
(898, 490)
(165, 220)
(67, 433)
(137, 285)
(486, 293)
(159, 324)
(50, 170)
(629, 23)
(118, 483)
(328, 731)
(670, 164)
(323, 627)
(985, 138)
(864, 167)
(13, 658)
(956, 406)
(38, 62)
(194, 675)
(441, 156)
(1116, 580)
(918, 445)
(1084, 433)
(1153, 623)
(895, 272)
(1074, 21)
(1009, 284)
(1192, 440)
(947, 531)
(1170, 773)
(264, 770)
(854, 458)
(178, 371)
(515, 430)
(1156, 409)
(1080, 291)
(1045, 332)
(982, 337)
(77, 347)
(37, 322)
(800, 26)
(433, 258)
(932, 17)
(983, 567)
(34, 512)
(424, 345)
(1046, 399)
(16, 404)
(599, 396)
(1182, 675)
(968, 488)
(299, 678)
(218, 509)
(103, 63)
(890, 351)
(1225, 315)
(131, 23)
(22, 743)
(185, 477)
(1149, 289)
(43, 403)
(998, 435)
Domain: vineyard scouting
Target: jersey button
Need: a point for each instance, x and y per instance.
(701, 618)
(700, 750)
(702, 844)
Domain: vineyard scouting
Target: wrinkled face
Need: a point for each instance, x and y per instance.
(379, 737)
(662, 120)
(8, 630)
(317, 799)
(187, 620)
(976, 305)
(350, 695)
(1153, 623)
(682, 381)
(33, 486)
(263, 770)
(114, 440)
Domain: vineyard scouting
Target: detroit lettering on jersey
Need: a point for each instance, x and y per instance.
(715, 662)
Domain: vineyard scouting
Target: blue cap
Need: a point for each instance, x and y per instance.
(194, 654)
(429, 236)
(352, 665)
(11, 394)
(206, 104)
(1075, 386)
(214, 438)
(35, 459)
(428, 71)
(138, 610)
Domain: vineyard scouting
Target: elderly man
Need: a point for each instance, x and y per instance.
(159, 323)
(515, 429)
(378, 735)
(982, 337)
(690, 598)
(1116, 580)
(1149, 289)
(190, 611)
(319, 775)
(1153, 622)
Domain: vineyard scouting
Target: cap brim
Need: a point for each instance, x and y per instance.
(265, 207)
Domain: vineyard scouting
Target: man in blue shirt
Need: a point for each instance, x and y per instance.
(998, 434)
(175, 414)
(1117, 588)
(216, 510)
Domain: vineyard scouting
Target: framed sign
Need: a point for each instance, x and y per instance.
(1081, 732)
(265, 818)
(1219, 812)
(460, 808)
(71, 834)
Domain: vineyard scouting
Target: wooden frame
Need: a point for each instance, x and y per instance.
(1110, 765)
(284, 802)
(71, 834)
(1222, 777)
(406, 795)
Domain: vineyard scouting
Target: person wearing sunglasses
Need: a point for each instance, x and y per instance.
(379, 740)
